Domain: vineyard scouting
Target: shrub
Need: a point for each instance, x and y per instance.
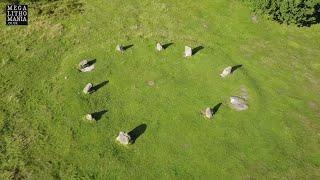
(300, 12)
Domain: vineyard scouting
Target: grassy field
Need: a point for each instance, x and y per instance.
(43, 133)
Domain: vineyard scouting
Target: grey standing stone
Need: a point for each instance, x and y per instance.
(84, 66)
(89, 117)
(120, 48)
(88, 88)
(159, 47)
(226, 71)
(123, 138)
(187, 51)
(208, 113)
(238, 103)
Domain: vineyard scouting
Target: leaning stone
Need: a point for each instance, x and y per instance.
(159, 47)
(208, 113)
(238, 103)
(89, 117)
(123, 138)
(226, 71)
(120, 48)
(187, 51)
(88, 88)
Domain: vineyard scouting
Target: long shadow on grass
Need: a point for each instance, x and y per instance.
(98, 86)
(165, 46)
(98, 115)
(234, 68)
(127, 47)
(216, 108)
(92, 61)
(197, 49)
(137, 132)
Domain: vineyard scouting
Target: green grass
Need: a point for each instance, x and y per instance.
(43, 132)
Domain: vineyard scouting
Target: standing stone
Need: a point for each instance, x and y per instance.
(124, 138)
(89, 117)
(208, 113)
(120, 48)
(226, 71)
(84, 66)
(88, 88)
(187, 51)
(238, 103)
(159, 47)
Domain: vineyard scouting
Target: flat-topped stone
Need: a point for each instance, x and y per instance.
(187, 51)
(124, 138)
(85, 66)
(238, 103)
(89, 117)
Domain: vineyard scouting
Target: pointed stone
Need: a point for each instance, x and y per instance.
(123, 138)
(226, 71)
(88, 88)
(83, 64)
(120, 48)
(238, 103)
(187, 51)
(159, 47)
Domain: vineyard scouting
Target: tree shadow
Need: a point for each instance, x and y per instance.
(165, 46)
(127, 47)
(197, 49)
(216, 108)
(137, 132)
(98, 115)
(91, 62)
(234, 68)
(98, 86)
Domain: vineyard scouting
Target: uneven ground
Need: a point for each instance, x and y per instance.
(44, 135)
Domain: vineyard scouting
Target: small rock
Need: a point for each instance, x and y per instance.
(187, 51)
(151, 83)
(88, 88)
(254, 19)
(89, 117)
(65, 77)
(238, 103)
(120, 48)
(159, 47)
(226, 71)
(208, 113)
(123, 138)
(83, 64)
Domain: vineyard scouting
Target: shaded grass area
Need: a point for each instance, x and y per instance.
(44, 133)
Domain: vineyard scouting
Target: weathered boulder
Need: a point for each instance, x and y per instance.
(238, 103)
(227, 71)
(187, 51)
(159, 47)
(88, 88)
(124, 138)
